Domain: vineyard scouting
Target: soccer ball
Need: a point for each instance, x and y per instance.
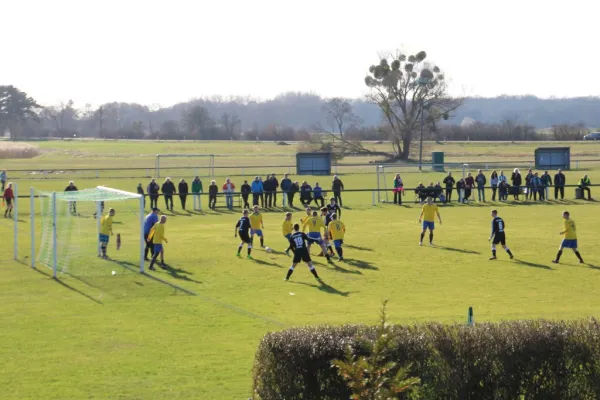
(268, 249)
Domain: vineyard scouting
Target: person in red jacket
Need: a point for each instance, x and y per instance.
(8, 198)
(228, 189)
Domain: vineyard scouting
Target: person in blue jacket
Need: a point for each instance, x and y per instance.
(150, 220)
(257, 190)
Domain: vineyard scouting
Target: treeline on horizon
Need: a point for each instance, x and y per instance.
(294, 116)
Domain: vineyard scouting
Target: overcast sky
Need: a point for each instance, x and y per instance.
(164, 52)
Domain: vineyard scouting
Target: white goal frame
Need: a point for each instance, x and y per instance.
(100, 198)
(211, 162)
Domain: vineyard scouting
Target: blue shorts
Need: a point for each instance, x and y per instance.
(569, 244)
(428, 225)
(338, 243)
(103, 238)
(315, 237)
(288, 236)
(256, 232)
(157, 248)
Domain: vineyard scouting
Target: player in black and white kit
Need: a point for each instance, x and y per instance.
(333, 208)
(498, 235)
(326, 215)
(242, 227)
(298, 243)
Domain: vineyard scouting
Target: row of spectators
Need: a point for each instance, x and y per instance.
(534, 186)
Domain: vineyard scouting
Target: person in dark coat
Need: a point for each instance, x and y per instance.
(275, 185)
(449, 183)
(268, 187)
(140, 191)
(517, 181)
(168, 190)
(337, 186)
(286, 185)
(246, 190)
(183, 192)
(213, 189)
(318, 195)
(152, 191)
(72, 204)
(294, 188)
(559, 185)
(305, 194)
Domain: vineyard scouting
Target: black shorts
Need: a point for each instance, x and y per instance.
(499, 238)
(8, 201)
(245, 237)
(301, 255)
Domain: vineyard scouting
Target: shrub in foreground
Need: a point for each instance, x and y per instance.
(509, 360)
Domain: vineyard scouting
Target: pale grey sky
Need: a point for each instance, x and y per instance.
(165, 52)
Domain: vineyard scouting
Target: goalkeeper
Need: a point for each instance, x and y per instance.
(106, 231)
(157, 236)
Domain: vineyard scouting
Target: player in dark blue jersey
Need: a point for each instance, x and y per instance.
(298, 243)
(333, 208)
(498, 235)
(326, 215)
(242, 227)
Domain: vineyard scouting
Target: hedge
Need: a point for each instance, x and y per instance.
(510, 360)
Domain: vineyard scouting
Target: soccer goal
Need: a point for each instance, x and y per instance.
(65, 231)
(185, 165)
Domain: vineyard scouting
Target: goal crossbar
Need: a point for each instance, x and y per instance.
(211, 162)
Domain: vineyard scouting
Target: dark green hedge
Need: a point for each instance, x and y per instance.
(511, 360)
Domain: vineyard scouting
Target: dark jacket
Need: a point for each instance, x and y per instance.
(460, 185)
(286, 184)
(449, 182)
(294, 188)
(546, 180)
(481, 180)
(140, 190)
(469, 182)
(275, 183)
(337, 185)
(168, 187)
(246, 189)
(528, 179)
(560, 179)
(71, 188)
(269, 186)
(183, 188)
(306, 191)
(153, 188)
(213, 189)
(516, 179)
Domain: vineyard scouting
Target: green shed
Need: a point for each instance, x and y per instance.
(437, 161)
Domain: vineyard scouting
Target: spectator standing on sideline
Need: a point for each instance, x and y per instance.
(536, 186)
(257, 189)
(502, 178)
(449, 183)
(196, 190)
(295, 188)
(305, 194)
(268, 188)
(398, 189)
(460, 189)
(517, 181)
(584, 185)
(337, 186)
(318, 195)
(246, 190)
(469, 184)
(183, 192)
(3, 179)
(275, 185)
(262, 193)
(228, 189)
(149, 222)
(529, 185)
(72, 204)
(213, 189)
(546, 183)
(286, 185)
(559, 185)
(494, 184)
(140, 191)
(503, 190)
(8, 198)
(481, 181)
(153, 190)
(168, 190)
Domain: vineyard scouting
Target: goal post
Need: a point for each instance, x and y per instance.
(69, 226)
(185, 163)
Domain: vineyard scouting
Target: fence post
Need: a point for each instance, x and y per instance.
(97, 174)
(577, 164)
(373, 193)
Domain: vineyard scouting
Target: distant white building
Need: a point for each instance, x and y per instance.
(466, 122)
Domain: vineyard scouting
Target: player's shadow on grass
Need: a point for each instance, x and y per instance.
(179, 273)
(338, 268)
(67, 286)
(324, 287)
(351, 246)
(263, 262)
(464, 251)
(534, 265)
(360, 264)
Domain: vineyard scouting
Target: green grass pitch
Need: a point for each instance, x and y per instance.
(192, 332)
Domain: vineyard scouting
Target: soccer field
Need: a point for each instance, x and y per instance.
(192, 333)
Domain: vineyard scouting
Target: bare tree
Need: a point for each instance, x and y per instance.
(231, 124)
(339, 114)
(408, 90)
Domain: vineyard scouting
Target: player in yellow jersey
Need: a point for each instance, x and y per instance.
(337, 230)
(428, 213)
(326, 216)
(157, 236)
(287, 227)
(306, 217)
(314, 225)
(106, 231)
(256, 226)
(570, 239)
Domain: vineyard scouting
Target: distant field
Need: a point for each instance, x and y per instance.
(193, 334)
